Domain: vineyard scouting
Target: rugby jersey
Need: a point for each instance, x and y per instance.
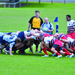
(35, 22)
(70, 25)
(49, 26)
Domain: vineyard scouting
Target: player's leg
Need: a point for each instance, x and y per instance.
(40, 50)
(53, 49)
(49, 47)
(65, 53)
(36, 42)
(44, 49)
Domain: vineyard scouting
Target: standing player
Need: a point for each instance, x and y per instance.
(70, 24)
(35, 22)
(47, 25)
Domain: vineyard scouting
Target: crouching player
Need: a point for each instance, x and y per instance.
(22, 46)
(59, 46)
(11, 39)
(69, 41)
(46, 44)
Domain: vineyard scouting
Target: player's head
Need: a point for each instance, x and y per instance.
(18, 40)
(68, 17)
(46, 20)
(37, 13)
(56, 35)
(41, 38)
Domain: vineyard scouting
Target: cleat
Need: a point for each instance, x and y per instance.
(59, 56)
(72, 55)
(68, 56)
(14, 52)
(5, 51)
(54, 54)
(29, 50)
(37, 51)
(40, 52)
(8, 52)
(45, 56)
(0, 51)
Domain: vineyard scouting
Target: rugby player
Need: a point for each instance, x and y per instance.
(70, 24)
(47, 25)
(58, 44)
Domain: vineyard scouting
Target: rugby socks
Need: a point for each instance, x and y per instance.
(74, 52)
(73, 49)
(64, 49)
(40, 49)
(57, 53)
(68, 53)
(44, 50)
(50, 50)
(37, 47)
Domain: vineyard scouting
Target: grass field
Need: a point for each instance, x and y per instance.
(14, 19)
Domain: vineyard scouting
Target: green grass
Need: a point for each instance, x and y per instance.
(13, 19)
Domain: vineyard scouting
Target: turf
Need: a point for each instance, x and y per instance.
(14, 19)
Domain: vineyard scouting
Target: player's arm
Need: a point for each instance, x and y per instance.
(71, 31)
(10, 48)
(41, 21)
(61, 33)
(74, 27)
(29, 37)
(29, 26)
(36, 34)
(50, 30)
(64, 40)
(30, 22)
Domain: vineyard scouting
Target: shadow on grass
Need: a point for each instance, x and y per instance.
(27, 54)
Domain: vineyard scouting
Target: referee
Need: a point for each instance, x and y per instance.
(35, 23)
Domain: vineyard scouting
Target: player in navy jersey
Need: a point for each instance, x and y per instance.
(24, 35)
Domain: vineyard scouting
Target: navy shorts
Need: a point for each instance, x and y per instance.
(14, 48)
(57, 47)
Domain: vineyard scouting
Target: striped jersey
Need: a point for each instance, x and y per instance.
(70, 25)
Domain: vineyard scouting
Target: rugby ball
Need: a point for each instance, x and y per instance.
(45, 29)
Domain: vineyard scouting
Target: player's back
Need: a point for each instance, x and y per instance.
(9, 38)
